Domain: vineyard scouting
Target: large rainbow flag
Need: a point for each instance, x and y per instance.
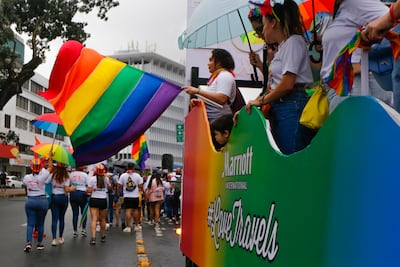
(140, 151)
(104, 104)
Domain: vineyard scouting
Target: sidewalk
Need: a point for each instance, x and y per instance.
(13, 192)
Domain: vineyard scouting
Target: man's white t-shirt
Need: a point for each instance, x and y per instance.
(136, 178)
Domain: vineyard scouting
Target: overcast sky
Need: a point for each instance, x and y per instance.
(139, 22)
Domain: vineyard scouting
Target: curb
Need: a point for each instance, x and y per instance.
(13, 192)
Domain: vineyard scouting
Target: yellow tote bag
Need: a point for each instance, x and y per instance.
(316, 110)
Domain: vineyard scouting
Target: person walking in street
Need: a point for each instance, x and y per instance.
(78, 199)
(155, 197)
(169, 197)
(3, 182)
(98, 187)
(132, 184)
(36, 204)
(59, 204)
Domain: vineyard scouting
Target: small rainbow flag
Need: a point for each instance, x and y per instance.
(341, 76)
(140, 151)
(104, 104)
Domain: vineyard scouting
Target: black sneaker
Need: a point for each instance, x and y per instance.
(39, 246)
(103, 239)
(28, 247)
(93, 241)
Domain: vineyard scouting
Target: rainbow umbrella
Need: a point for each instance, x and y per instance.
(50, 122)
(60, 153)
(309, 8)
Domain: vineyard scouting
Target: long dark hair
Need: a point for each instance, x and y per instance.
(289, 18)
(100, 181)
(60, 174)
(155, 175)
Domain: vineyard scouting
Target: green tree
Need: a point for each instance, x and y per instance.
(43, 21)
(10, 137)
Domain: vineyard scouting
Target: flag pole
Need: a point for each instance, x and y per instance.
(248, 41)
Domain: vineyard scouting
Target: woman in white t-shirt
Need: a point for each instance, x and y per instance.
(221, 87)
(289, 75)
(78, 198)
(36, 204)
(349, 15)
(59, 204)
(98, 187)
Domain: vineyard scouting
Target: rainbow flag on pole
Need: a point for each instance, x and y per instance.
(140, 151)
(104, 104)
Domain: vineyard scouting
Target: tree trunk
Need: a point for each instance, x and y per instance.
(12, 86)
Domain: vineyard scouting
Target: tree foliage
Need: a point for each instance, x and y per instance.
(9, 137)
(42, 21)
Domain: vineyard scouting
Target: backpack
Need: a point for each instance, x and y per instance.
(238, 102)
(130, 185)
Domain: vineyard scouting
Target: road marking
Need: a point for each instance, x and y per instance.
(143, 260)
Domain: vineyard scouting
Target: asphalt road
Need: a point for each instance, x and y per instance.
(119, 250)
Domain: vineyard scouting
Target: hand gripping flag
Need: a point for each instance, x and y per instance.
(104, 104)
(140, 152)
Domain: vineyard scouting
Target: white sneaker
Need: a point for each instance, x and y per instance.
(60, 240)
(127, 230)
(138, 228)
(83, 233)
(54, 242)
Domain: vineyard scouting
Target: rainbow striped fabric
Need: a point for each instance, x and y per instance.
(104, 104)
(140, 151)
(341, 76)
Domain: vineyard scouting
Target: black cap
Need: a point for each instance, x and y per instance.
(132, 166)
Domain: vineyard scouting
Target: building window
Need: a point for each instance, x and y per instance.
(36, 108)
(7, 121)
(47, 110)
(22, 102)
(21, 123)
(36, 88)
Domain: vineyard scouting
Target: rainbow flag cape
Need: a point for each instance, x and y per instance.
(104, 104)
(140, 151)
(341, 76)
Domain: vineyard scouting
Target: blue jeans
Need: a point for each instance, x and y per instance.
(78, 201)
(35, 210)
(110, 201)
(59, 206)
(169, 205)
(289, 134)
